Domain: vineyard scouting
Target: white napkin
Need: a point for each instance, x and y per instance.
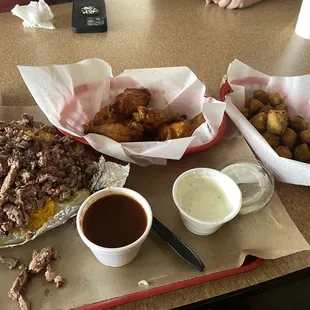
(35, 14)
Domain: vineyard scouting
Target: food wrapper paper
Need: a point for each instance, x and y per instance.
(70, 95)
(294, 91)
(109, 174)
(269, 233)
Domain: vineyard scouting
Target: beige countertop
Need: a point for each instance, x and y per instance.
(157, 33)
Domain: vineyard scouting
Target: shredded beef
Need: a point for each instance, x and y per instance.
(49, 274)
(16, 215)
(27, 119)
(5, 227)
(10, 262)
(18, 285)
(8, 181)
(4, 167)
(41, 259)
(37, 163)
(60, 281)
(3, 217)
(24, 304)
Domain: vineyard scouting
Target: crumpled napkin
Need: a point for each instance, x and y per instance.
(35, 14)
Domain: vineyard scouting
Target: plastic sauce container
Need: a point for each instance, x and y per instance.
(206, 199)
(255, 181)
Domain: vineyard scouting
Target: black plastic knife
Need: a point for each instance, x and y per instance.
(177, 245)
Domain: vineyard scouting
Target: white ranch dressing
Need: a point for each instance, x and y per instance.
(201, 196)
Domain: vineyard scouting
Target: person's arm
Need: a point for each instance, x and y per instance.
(234, 4)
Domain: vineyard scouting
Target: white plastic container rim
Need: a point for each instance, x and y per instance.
(108, 192)
(227, 218)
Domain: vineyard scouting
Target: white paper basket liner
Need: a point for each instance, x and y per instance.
(296, 94)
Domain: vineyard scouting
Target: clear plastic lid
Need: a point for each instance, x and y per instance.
(255, 181)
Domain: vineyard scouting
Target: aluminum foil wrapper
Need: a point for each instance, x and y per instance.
(109, 175)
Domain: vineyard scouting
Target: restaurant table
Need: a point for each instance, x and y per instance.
(161, 33)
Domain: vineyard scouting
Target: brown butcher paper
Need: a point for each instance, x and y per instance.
(269, 233)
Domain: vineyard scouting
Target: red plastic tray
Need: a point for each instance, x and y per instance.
(225, 90)
(249, 264)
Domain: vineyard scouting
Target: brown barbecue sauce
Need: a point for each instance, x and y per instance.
(114, 221)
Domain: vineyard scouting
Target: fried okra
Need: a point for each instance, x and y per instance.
(277, 122)
(302, 152)
(259, 121)
(261, 95)
(298, 123)
(289, 138)
(246, 112)
(305, 136)
(266, 108)
(274, 99)
(255, 105)
(273, 140)
(284, 151)
(281, 106)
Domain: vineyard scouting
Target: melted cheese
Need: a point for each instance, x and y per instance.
(39, 217)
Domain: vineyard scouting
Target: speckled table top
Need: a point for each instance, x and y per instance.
(157, 33)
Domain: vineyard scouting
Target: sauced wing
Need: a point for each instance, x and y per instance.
(195, 123)
(128, 119)
(102, 117)
(127, 102)
(156, 117)
(119, 131)
(180, 129)
(172, 131)
(124, 105)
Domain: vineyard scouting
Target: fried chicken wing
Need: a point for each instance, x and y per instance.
(127, 102)
(118, 131)
(180, 129)
(128, 119)
(102, 117)
(149, 133)
(156, 117)
(172, 131)
(136, 126)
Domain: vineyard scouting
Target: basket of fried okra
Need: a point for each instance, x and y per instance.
(288, 135)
